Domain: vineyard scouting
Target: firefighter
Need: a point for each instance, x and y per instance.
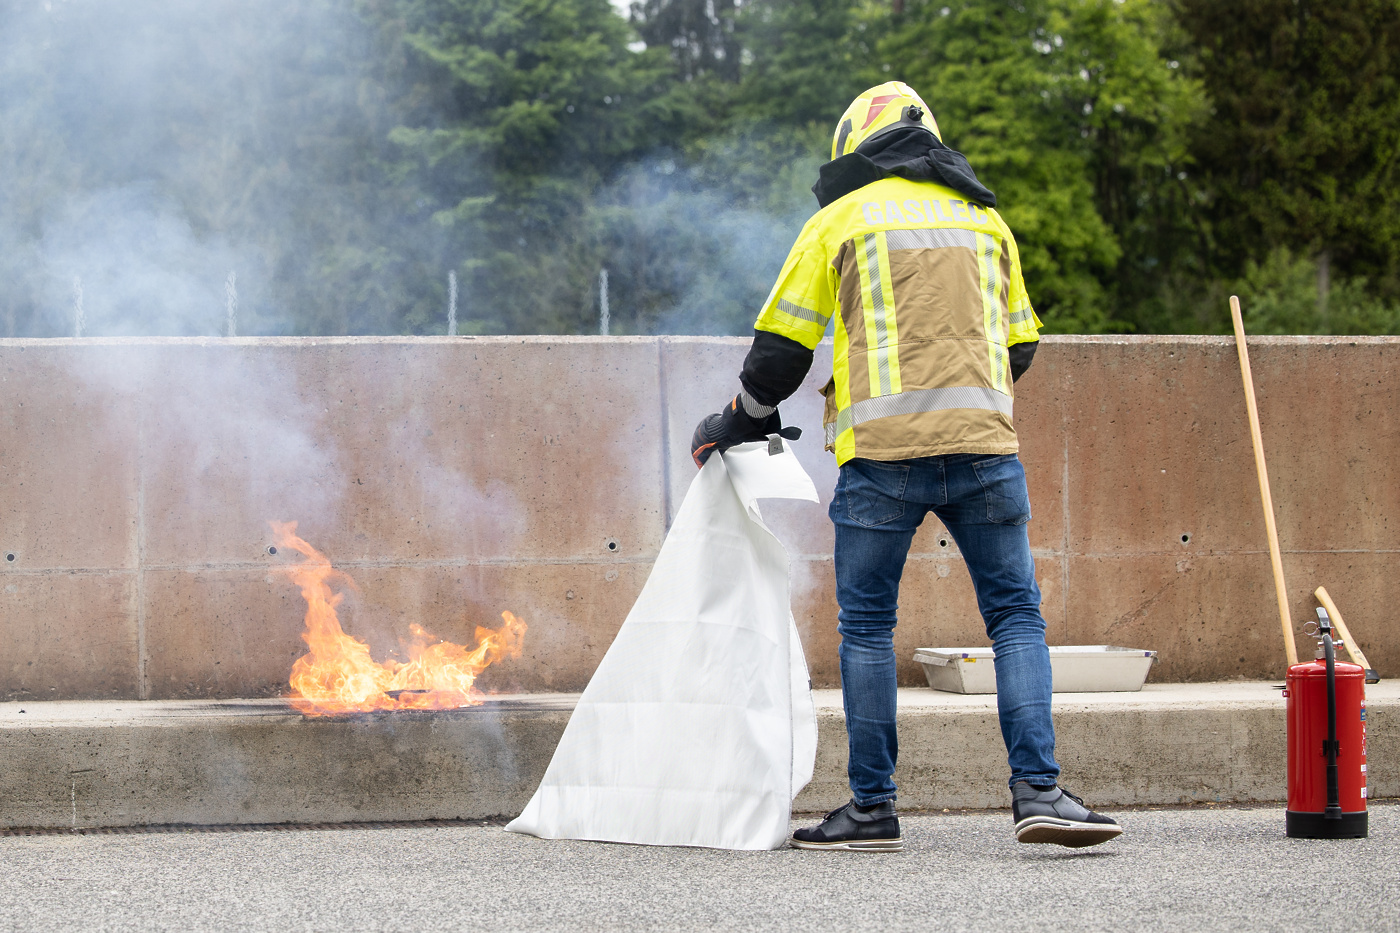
(919, 277)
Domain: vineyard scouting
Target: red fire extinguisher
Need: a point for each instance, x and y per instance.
(1326, 744)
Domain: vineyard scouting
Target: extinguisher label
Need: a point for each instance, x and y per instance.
(1363, 767)
(1363, 792)
(1363, 714)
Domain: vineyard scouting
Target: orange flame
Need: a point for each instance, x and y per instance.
(338, 675)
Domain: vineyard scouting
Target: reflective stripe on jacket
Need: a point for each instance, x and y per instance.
(925, 288)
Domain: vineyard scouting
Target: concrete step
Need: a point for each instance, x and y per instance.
(126, 763)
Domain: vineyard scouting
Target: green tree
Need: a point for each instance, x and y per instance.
(1068, 111)
(805, 62)
(699, 35)
(1278, 296)
(705, 226)
(152, 148)
(535, 104)
(1302, 146)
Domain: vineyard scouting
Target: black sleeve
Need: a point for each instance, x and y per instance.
(1021, 356)
(774, 368)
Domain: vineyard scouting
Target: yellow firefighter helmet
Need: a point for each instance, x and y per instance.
(887, 105)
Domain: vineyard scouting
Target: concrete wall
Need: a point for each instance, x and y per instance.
(458, 477)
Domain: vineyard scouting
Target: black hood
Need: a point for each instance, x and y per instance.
(910, 152)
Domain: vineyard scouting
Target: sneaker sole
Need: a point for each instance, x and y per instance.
(854, 845)
(1070, 833)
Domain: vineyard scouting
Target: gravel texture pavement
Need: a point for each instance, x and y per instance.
(1214, 868)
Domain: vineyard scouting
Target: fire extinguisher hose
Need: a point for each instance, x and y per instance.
(1329, 747)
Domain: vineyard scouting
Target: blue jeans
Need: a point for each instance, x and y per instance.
(982, 500)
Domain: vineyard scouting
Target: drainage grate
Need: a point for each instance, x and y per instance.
(242, 827)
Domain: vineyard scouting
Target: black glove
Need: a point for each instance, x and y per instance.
(734, 426)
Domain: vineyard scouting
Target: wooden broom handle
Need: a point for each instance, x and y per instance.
(1280, 590)
(1353, 648)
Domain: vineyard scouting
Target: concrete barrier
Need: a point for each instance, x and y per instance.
(458, 477)
(119, 763)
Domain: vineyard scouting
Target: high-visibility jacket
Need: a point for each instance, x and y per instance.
(926, 291)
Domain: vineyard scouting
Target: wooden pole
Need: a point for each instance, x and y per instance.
(1353, 648)
(1285, 620)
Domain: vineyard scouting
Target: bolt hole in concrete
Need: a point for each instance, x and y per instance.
(272, 550)
(10, 558)
(944, 543)
(1186, 538)
(612, 544)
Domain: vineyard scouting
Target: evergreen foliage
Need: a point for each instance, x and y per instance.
(342, 156)
(1302, 145)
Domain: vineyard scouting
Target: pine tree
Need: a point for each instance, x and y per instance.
(1302, 147)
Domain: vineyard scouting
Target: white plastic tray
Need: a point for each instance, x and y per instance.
(1075, 668)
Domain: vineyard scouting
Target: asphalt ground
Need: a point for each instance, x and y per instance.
(1208, 868)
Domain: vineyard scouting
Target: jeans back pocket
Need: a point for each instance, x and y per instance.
(874, 490)
(1003, 481)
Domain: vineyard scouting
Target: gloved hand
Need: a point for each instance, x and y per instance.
(734, 426)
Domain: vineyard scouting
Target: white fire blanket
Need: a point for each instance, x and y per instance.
(698, 728)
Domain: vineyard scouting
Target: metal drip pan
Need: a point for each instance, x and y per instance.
(1075, 668)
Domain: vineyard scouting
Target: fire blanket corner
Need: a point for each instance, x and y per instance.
(698, 728)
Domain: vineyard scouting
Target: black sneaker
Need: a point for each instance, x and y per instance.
(1057, 816)
(859, 829)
